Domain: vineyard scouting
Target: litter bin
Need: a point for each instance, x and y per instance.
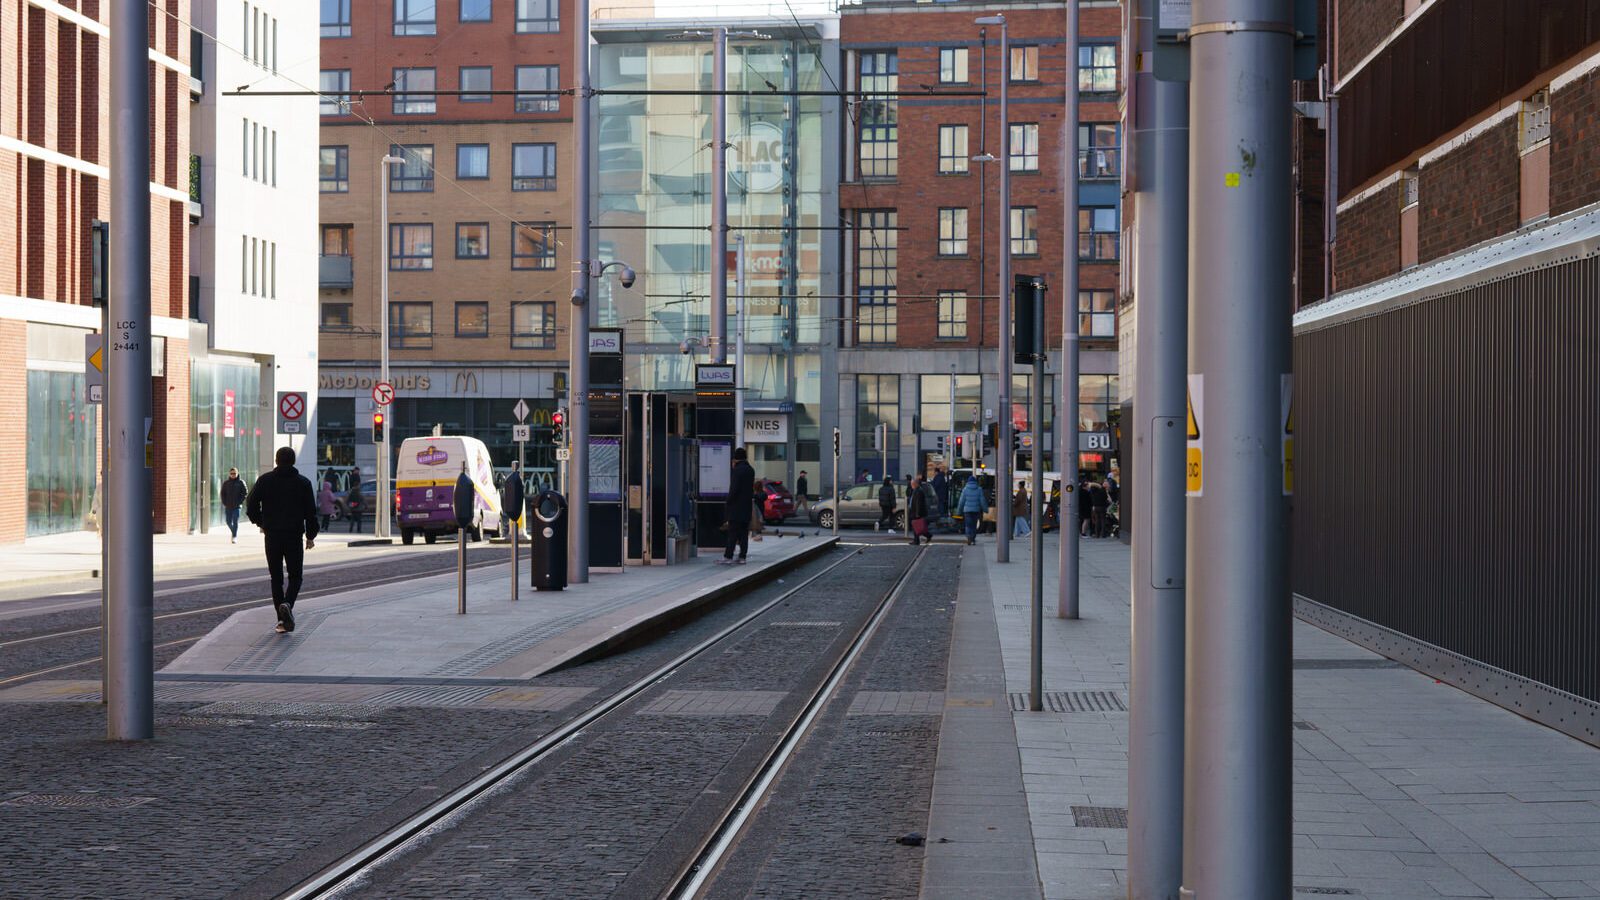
(548, 511)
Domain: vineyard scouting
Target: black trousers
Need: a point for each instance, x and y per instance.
(285, 548)
(738, 536)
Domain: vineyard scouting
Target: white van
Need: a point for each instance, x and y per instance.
(425, 485)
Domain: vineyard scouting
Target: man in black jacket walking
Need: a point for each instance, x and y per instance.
(232, 495)
(284, 507)
(741, 502)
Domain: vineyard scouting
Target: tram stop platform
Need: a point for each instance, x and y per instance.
(413, 632)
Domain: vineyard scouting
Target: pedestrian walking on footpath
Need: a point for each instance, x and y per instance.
(917, 513)
(970, 505)
(941, 492)
(802, 499)
(325, 504)
(355, 503)
(886, 506)
(740, 504)
(1019, 513)
(1085, 506)
(284, 507)
(233, 495)
(1098, 501)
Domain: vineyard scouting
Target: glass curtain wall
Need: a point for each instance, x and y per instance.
(210, 384)
(63, 432)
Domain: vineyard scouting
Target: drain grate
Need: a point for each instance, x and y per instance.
(78, 801)
(1379, 663)
(325, 724)
(1328, 891)
(1073, 702)
(805, 624)
(433, 696)
(170, 721)
(919, 734)
(1100, 817)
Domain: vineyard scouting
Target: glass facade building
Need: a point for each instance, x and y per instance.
(653, 205)
(63, 432)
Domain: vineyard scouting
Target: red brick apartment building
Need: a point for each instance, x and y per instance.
(920, 261)
(54, 154)
(479, 263)
(1447, 393)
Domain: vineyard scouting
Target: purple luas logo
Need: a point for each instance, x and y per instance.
(432, 456)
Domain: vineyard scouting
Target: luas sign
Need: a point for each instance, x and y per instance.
(757, 160)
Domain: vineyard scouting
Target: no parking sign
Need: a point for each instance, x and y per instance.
(291, 412)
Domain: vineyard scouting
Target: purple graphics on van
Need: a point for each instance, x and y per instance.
(428, 506)
(432, 456)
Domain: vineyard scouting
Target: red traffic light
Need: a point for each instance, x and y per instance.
(558, 418)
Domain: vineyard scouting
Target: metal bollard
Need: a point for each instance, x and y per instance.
(461, 571)
(516, 528)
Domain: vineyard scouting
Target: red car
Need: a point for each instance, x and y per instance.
(779, 504)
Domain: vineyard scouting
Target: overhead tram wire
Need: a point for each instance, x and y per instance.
(598, 92)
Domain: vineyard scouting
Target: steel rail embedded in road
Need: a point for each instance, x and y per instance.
(347, 873)
(708, 860)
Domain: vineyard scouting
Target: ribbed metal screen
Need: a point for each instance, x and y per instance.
(1448, 472)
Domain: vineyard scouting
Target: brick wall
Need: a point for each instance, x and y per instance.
(1363, 24)
(1575, 145)
(1470, 195)
(170, 430)
(1369, 241)
(14, 420)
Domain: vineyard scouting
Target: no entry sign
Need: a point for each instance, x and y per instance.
(291, 412)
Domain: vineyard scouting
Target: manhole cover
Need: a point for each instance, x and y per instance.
(1073, 702)
(78, 801)
(1099, 817)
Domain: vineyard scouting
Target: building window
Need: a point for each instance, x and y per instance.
(877, 237)
(953, 231)
(337, 240)
(1099, 151)
(538, 78)
(1097, 399)
(472, 319)
(410, 247)
(472, 161)
(879, 115)
(476, 78)
(953, 158)
(877, 403)
(1097, 314)
(410, 326)
(413, 17)
(1024, 62)
(1024, 231)
(1533, 121)
(335, 18)
(538, 16)
(533, 326)
(424, 104)
(472, 240)
(533, 246)
(1097, 68)
(336, 317)
(952, 316)
(477, 10)
(1025, 147)
(936, 406)
(953, 65)
(415, 175)
(335, 89)
(333, 175)
(1098, 233)
(533, 167)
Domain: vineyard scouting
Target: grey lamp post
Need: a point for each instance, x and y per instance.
(380, 526)
(1002, 453)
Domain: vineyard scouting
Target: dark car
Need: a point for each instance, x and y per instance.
(779, 504)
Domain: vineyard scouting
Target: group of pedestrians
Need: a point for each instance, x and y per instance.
(1095, 499)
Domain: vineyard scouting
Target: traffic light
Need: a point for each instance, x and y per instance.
(558, 428)
(377, 427)
(960, 447)
(993, 435)
(836, 447)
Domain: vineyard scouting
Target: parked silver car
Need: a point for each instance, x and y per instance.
(858, 505)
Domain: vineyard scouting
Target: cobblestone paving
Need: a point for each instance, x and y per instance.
(617, 813)
(860, 781)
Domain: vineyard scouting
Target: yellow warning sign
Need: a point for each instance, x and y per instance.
(95, 359)
(1194, 463)
(1286, 392)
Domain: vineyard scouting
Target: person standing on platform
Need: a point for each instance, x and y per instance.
(232, 496)
(739, 506)
(886, 498)
(917, 512)
(284, 507)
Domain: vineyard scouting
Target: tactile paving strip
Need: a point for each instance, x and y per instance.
(1099, 817)
(1073, 702)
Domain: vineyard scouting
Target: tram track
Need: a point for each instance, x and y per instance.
(356, 870)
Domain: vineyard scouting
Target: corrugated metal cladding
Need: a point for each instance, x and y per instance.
(1448, 472)
(1460, 58)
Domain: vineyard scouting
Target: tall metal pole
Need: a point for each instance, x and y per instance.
(1237, 747)
(1159, 119)
(1036, 545)
(950, 432)
(738, 353)
(380, 525)
(1002, 453)
(1067, 412)
(129, 569)
(719, 204)
(577, 469)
